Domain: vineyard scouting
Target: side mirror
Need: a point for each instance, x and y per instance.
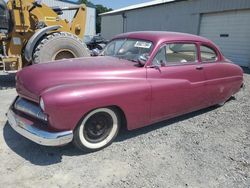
(95, 52)
(143, 59)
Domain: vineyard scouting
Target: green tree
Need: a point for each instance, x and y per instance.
(88, 3)
(100, 9)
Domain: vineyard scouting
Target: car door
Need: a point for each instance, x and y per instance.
(177, 81)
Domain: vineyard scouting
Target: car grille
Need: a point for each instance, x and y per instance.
(30, 108)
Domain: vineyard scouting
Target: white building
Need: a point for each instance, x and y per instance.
(226, 22)
(90, 28)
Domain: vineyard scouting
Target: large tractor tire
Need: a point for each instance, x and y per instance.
(56, 46)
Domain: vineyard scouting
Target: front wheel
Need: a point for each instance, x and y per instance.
(97, 129)
(59, 45)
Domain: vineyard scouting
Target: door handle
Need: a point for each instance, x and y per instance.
(199, 68)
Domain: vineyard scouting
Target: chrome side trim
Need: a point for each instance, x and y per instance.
(27, 129)
(30, 109)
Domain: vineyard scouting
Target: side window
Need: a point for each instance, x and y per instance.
(181, 53)
(176, 53)
(208, 54)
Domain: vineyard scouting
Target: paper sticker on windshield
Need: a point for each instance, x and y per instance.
(143, 44)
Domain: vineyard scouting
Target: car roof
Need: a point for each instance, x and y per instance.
(160, 36)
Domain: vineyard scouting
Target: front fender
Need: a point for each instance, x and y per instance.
(29, 48)
(67, 104)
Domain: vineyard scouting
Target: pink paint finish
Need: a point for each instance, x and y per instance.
(72, 88)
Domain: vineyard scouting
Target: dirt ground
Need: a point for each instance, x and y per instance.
(208, 148)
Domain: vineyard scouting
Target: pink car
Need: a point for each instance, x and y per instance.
(139, 78)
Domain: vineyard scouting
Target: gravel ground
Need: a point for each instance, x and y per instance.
(208, 148)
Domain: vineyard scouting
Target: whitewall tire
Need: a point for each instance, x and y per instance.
(97, 129)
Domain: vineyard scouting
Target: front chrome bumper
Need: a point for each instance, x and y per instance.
(28, 129)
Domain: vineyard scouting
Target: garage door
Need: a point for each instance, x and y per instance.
(231, 32)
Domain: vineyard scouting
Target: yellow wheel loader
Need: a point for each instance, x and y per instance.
(31, 33)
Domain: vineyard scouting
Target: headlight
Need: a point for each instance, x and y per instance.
(42, 104)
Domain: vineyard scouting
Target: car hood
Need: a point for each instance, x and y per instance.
(34, 80)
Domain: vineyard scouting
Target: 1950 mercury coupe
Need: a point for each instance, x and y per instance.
(139, 78)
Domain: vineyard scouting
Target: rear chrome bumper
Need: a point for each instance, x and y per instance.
(27, 129)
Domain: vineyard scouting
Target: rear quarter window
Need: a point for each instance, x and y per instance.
(208, 54)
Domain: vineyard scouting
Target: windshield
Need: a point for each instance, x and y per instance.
(130, 49)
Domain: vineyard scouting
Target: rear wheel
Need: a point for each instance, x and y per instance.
(56, 46)
(97, 130)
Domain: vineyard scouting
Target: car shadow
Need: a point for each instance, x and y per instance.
(7, 81)
(126, 134)
(35, 153)
(44, 156)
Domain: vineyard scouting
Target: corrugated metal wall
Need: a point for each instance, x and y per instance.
(90, 28)
(112, 25)
(231, 32)
(182, 16)
(172, 17)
